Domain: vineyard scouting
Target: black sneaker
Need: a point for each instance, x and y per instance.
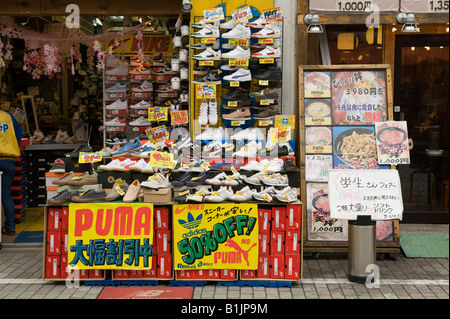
(289, 165)
(181, 181)
(212, 77)
(82, 148)
(200, 180)
(62, 197)
(236, 95)
(90, 196)
(272, 74)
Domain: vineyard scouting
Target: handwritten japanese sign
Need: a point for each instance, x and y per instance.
(317, 167)
(242, 14)
(91, 157)
(206, 91)
(213, 14)
(161, 159)
(158, 114)
(392, 142)
(272, 15)
(179, 117)
(157, 134)
(365, 192)
(210, 236)
(110, 236)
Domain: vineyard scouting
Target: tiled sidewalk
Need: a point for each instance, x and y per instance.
(324, 277)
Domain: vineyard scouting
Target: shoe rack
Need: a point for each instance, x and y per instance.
(255, 65)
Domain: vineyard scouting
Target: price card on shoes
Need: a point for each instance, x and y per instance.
(242, 14)
(85, 157)
(161, 159)
(213, 14)
(157, 134)
(158, 114)
(206, 91)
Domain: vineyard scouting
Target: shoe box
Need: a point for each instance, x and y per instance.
(164, 265)
(161, 220)
(264, 219)
(106, 179)
(158, 196)
(73, 165)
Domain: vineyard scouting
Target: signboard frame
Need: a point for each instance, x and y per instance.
(392, 246)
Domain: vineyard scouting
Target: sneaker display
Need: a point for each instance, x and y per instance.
(250, 150)
(141, 70)
(269, 31)
(258, 23)
(238, 95)
(144, 87)
(200, 179)
(141, 105)
(266, 93)
(128, 148)
(212, 77)
(83, 179)
(132, 192)
(251, 134)
(217, 179)
(240, 31)
(157, 181)
(238, 115)
(273, 166)
(287, 195)
(203, 46)
(255, 179)
(267, 114)
(220, 195)
(118, 70)
(208, 31)
(201, 24)
(184, 74)
(289, 165)
(268, 53)
(198, 196)
(233, 180)
(59, 166)
(203, 113)
(208, 55)
(265, 195)
(90, 196)
(212, 116)
(82, 148)
(138, 166)
(237, 53)
(62, 197)
(147, 169)
(272, 74)
(242, 195)
(117, 105)
(117, 121)
(116, 165)
(141, 121)
(117, 88)
(230, 24)
(240, 75)
(117, 191)
(275, 180)
(250, 166)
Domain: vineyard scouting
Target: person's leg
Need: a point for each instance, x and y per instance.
(8, 167)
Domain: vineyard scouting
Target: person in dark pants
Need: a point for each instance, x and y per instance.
(10, 135)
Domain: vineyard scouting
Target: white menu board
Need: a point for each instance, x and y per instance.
(365, 192)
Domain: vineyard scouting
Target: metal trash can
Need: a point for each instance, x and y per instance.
(361, 247)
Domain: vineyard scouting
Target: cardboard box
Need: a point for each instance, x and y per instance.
(158, 196)
(293, 216)
(64, 243)
(164, 266)
(277, 269)
(52, 266)
(106, 179)
(292, 242)
(212, 274)
(263, 270)
(278, 218)
(292, 268)
(248, 274)
(228, 274)
(161, 220)
(198, 274)
(120, 273)
(95, 273)
(65, 218)
(183, 274)
(264, 217)
(264, 240)
(151, 273)
(134, 273)
(54, 219)
(63, 270)
(277, 243)
(163, 242)
(53, 243)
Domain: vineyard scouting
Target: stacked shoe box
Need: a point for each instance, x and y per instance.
(19, 191)
(280, 245)
(56, 245)
(161, 268)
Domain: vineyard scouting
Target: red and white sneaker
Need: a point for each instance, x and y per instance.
(144, 87)
(116, 122)
(267, 53)
(269, 31)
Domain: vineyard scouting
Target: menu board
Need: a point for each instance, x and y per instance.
(392, 142)
(317, 167)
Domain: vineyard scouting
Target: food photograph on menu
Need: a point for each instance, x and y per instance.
(358, 97)
(317, 84)
(318, 112)
(318, 139)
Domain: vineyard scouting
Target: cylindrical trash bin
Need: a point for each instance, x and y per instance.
(361, 248)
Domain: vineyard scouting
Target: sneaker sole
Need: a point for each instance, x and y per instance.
(88, 200)
(210, 82)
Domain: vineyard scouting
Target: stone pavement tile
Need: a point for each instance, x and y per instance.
(348, 291)
(311, 295)
(400, 291)
(309, 287)
(438, 291)
(284, 293)
(420, 273)
(375, 293)
(207, 292)
(197, 293)
(443, 271)
(425, 291)
(93, 293)
(234, 293)
(298, 293)
(259, 293)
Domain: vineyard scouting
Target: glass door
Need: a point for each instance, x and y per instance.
(421, 85)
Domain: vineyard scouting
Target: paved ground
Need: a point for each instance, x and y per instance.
(324, 277)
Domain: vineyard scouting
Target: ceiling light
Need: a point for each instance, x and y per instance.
(408, 21)
(313, 22)
(186, 6)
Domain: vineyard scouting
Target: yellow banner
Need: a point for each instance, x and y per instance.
(110, 236)
(215, 236)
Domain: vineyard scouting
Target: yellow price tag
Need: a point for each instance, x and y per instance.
(234, 84)
(206, 63)
(238, 42)
(266, 61)
(161, 159)
(208, 40)
(232, 103)
(264, 82)
(238, 62)
(265, 41)
(235, 123)
(85, 157)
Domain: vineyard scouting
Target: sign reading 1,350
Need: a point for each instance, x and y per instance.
(354, 5)
(435, 5)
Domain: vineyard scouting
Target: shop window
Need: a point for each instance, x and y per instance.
(355, 44)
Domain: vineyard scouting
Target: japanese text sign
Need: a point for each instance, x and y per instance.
(365, 192)
(392, 142)
(158, 114)
(213, 14)
(89, 157)
(161, 159)
(179, 117)
(110, 236)
(206, 91)
(242, 14)
(272, 15)
(210, 236)
(157, 134)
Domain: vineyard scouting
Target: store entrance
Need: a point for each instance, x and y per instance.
(421, 88)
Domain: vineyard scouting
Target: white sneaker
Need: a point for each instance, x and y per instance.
(267, 53)
(138, 166)
(117, 105)
(208, 55)
(275, 180)
(175, 65)
(115, 165)
(142, 105)
(201, 24)
(219, 195)
(117, 88)
(243, 195)
(148, 169)
(250, 166)
(175, 82)
(255, 179)
(184, 97)
(203, 114)
(184, 30)
(240, 75)
(269, 31)
(217, 180)
(184, 73)
(203, 46)
(212, 116)
(250, 150)
(118, 70)
(237, 53)
(156, 181)
(233, 180)
(116, 122)
(287, 195)
(251, 134)
(144, 87)
(240, 31)
(177, 43)
(276, 165)
(209, 31)
(113, 61)
(141, 121)
(265, 195)
(258, 23)
(183, 55)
